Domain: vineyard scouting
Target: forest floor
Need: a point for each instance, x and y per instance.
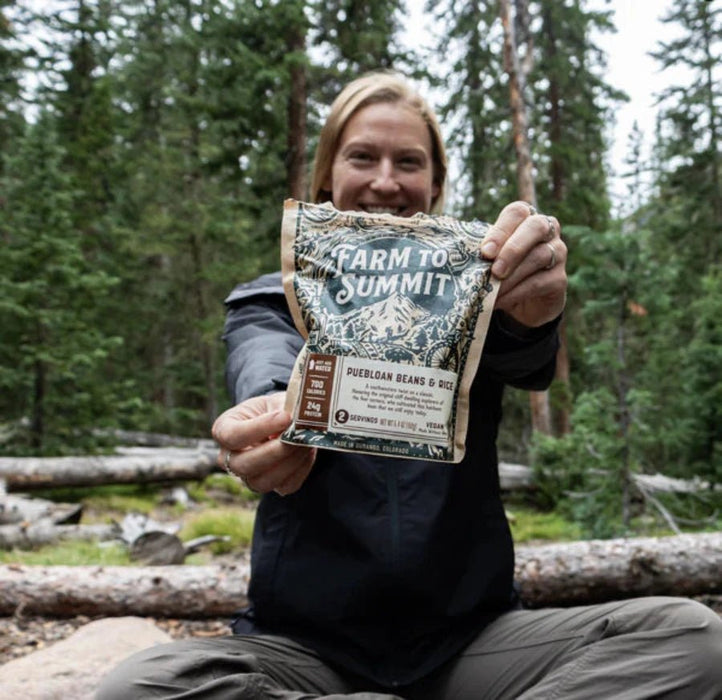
(20, 635)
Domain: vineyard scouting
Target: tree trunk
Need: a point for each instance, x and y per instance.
(153, 465)
(600, 570)
(45, 531)
(140, 438)
(538, 400)
(520, 128)
(296, 158)
(713, 127)
(159, 591)
(17, 509)
(562, 417)
(135, 467)
(37, 425)
(570, 573)
(562, 407)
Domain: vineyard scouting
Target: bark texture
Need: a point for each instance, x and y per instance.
(160, 591)
(538, 400)
(45, 531)
(600, 570)
(572, 573)
(133, 466)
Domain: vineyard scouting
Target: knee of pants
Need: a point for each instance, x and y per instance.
(687, 613)
(704, 642)
(697, 632)
(669, 613)
(121, 681)
(163, 668)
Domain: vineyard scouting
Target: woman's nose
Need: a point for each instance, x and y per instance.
(385, 177)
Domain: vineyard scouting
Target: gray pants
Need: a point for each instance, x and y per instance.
(643, 648)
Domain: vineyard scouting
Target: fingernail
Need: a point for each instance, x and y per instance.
(489, 249)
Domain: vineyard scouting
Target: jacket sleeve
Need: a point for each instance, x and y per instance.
(527, 359)
(261, 340)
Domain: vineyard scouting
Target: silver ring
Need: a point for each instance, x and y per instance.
(550, 232)
(553, 260)
(227, 462)
(532, 209)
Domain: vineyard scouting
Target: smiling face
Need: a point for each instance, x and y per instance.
(383, 162)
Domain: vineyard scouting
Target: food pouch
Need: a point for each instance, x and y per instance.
(394, 312)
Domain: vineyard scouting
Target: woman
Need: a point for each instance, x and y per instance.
(383, 578)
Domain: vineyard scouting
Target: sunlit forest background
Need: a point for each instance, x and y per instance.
(146, 147)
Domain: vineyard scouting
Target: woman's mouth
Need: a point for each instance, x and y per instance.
(381, 209)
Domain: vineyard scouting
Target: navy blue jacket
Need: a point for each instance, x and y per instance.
(387, 567)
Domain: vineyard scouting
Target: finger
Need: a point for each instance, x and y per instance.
(268, 456)
(538, 260)
(532, 231)
(537, 299)
(509, 219)
(235, 431)
(266, 469)
(299, 476)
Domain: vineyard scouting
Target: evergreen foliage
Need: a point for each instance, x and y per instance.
(52, 350)
(146, 152)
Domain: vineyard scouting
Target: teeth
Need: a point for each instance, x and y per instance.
(382, 210)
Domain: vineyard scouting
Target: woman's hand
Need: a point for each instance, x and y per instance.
(250, 449)
(529, 258)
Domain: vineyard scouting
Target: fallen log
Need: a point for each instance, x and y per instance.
(554, 574)
(519, 477)
(157, 591)
(599, 570)
(135, 467)
(46, 531)
(18, 509)
(137, 437)
(142, 464)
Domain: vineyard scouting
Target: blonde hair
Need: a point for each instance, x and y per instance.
(375, 88)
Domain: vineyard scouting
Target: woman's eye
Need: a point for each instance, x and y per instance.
(360, 156)
(410, 163)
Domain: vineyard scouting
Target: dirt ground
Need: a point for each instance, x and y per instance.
(23, 635)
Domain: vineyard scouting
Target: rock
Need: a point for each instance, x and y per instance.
(157, 549)
(73, 667)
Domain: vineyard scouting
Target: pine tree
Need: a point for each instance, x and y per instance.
(359, 36)
(573, 105)
(353, 38)
(206, 142)
(53, 354)
(475, 112)
(12, 63)
(691, 185)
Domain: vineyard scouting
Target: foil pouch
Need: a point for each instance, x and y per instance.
(394, 312)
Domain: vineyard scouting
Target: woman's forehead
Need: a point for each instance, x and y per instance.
(396, 121)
